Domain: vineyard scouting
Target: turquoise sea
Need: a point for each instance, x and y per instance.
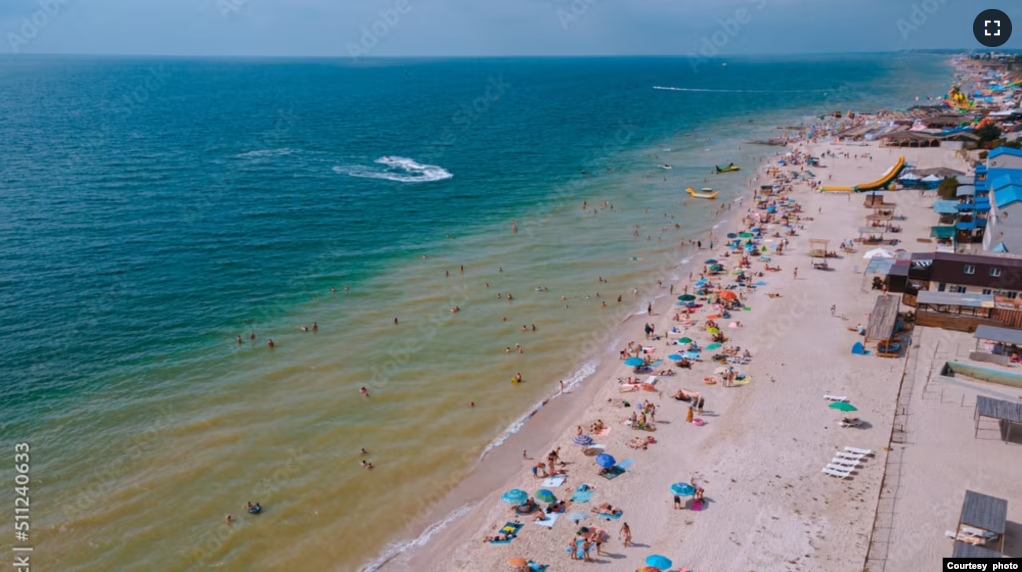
(153, 210)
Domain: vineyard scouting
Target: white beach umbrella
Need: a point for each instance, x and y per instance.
(878, 253)
(932, 179)
(909, 177)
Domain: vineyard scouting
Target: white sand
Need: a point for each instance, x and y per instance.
(761, 453)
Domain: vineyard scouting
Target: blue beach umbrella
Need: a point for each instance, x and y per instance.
(711, 261)
(675, 357)
(545, 495)
(732, 235)
(606, 461)
(683, 489)
(686, 297)
(659, 562)
(515, 496)
(582, 440)
(634, 362)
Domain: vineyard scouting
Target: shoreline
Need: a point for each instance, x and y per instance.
(433, 550)
(550, 417)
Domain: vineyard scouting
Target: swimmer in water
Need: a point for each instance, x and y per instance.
(364, 392)
(251, 336)
(239, 340)
(315, 327)
(395, 320)
(270, 344)
(366, 466)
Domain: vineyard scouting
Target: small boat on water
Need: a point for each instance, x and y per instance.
(707, 193)
(666, 166)
(731, 167)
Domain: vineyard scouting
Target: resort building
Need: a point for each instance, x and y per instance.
(1004, 225)
(991, 275)
(1005, 158)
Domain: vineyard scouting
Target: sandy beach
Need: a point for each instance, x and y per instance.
(760, 453)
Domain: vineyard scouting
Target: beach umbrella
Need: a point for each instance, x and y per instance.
(515, 496)
(582, 440)
(634, 362)
(686, 297)
(576, 516)
(606, 461)
(648, 569)
(713, 346)
(713, 330)
(659, 562)
(685, 341)
(745, 235)
(710, 261)
(842, 406)
(675, 357)
(545, 495)
(878, 252)
(517, 561)
(683, 489)
(728, 295)
(732, 235)
(691, 355)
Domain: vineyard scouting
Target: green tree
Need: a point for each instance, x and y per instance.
(987, 133)
(948, 187)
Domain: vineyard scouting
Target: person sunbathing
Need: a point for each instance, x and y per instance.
(598, 426)
(682, 396)
(496, 538)
(556, 507)
(526, 507)
(606, 508)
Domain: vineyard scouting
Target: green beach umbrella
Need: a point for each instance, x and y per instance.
(686, 297)
(685, 341)
(745, 235)
(712, 346)
(842, 406)
(545, 495)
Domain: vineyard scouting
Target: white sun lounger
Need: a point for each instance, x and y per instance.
(836, 473)
(849, 456)
(854, 423)
(866, 452)
(840, 398)
(844, 462)
(842, 468)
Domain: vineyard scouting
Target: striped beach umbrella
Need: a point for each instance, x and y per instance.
(582, 440)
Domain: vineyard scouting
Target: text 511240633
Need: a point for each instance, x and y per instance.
(22, 550)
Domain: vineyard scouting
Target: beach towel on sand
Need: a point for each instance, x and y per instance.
(549, 520)
(582, 496)
(608, 516)
(554, 482)
(511, 529)
(626, 463)
(612, 473)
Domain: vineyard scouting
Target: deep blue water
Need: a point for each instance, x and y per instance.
(148, 204)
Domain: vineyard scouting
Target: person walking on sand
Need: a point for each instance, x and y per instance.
(795, 274)
(649, 308)
(625, 535)
(699, 405)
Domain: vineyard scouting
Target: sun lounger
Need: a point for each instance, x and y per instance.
(549, 520)
(554, 482)
(866, 452)
(839, 462)
(851, 422)
(838, 474)
(841, 468)
(841, 398)
(849, 456)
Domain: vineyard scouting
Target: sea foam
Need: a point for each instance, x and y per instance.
(394, 550)
(400, 169)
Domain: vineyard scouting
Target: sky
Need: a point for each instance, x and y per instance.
(386, 28)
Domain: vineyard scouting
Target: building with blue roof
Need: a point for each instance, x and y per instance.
(1002, 199)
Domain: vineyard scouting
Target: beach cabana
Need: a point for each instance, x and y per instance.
(985, 514)
(878, 266)
(1006, 340)
(883, 318)
(1006, 413)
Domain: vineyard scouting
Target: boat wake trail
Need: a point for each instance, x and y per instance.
(400, 169)
(741, 90)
